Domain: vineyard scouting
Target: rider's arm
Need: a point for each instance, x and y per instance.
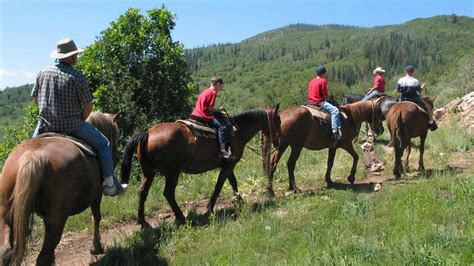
(86, 110)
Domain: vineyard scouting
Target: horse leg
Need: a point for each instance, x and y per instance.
(397, 169)
(421, 165)
(54, 227)
(7, 251)
(331, 155)
(169, 193)
(96, 215)
(355, 158)
(233, 183)
(407, 158)
(291, 164)
(145, 185)
(274, 162)
(224, 173)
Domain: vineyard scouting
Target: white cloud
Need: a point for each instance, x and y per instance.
(12, 78)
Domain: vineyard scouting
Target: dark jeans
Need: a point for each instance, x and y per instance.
(223, 129)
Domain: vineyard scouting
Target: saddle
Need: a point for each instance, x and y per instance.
(199, 128)
(421, 109)
(86, 148)
(321, 115)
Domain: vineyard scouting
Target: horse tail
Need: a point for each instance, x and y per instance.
(131, 149)
(398, 129)
(32, 167)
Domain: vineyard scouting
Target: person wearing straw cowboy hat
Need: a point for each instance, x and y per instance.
(65, 101)
(379, 84)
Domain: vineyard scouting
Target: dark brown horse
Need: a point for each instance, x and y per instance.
(405, 121)
(299, 129)
(54, 178)
(171, 148)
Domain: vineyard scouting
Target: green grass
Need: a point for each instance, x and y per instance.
(427, 218)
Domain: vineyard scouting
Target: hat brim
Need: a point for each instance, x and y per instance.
(56, 55)
(379, 71)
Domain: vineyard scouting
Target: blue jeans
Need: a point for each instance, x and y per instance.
(371, 95)
(223, 129)
(101, 145)
(335, 120)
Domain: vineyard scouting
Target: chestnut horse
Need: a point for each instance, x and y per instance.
(405, 121)
(299, 129)
(54, 178)
(171, 148)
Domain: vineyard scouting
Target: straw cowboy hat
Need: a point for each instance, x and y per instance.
(66, 48)
(379, 70)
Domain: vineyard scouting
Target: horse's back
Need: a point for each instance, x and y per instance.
(69, 177)
(173, 145)
(299, 128)
(407, 117)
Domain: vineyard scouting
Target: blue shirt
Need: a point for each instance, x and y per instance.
(409, 87)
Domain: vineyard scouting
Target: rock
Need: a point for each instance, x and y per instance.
(377, 187)
(377, 167)
(366, 146)
(438, 113)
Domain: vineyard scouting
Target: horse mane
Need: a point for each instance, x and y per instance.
(358, 110)
(249, 116)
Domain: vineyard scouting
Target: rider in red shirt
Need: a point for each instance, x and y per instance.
(204, 110)
(379, 84)
(318, 95)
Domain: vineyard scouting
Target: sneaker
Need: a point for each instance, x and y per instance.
(115, 189)
(224, 154)
(433, 126)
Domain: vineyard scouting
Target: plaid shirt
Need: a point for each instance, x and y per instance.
(61, 92)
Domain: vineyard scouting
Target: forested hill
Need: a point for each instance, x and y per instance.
(275, 66)
(12, 103)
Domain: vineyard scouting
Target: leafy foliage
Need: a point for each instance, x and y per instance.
(135, 67)
(14, 135)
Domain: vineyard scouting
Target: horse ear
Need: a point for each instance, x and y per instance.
(433, 98)
(116, 116)
(277, 106)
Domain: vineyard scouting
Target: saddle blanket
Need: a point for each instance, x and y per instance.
(320, 114)
(199, 129)
(86, 148)
(202, 130)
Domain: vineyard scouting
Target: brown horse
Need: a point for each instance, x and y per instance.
(171, 148)
(405, 121)
(299, 129)
(54, 178)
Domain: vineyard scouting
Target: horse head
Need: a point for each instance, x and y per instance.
(107, 125)
(377, 116)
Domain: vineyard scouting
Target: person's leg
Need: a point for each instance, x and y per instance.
(37, 129)
(221, 136)
(370, 95)
(101, 145)
(335, 121)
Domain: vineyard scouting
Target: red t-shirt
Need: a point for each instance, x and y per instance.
(206, 99)
(317, 90)
(379, 83)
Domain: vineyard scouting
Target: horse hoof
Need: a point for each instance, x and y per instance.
(97, 251)
(270, 193)
(351, 179)
(145, 225)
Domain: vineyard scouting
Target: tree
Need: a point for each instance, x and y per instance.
(135, 67)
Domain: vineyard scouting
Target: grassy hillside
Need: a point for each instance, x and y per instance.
(276, 66)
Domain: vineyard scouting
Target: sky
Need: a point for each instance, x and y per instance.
(30, 29)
